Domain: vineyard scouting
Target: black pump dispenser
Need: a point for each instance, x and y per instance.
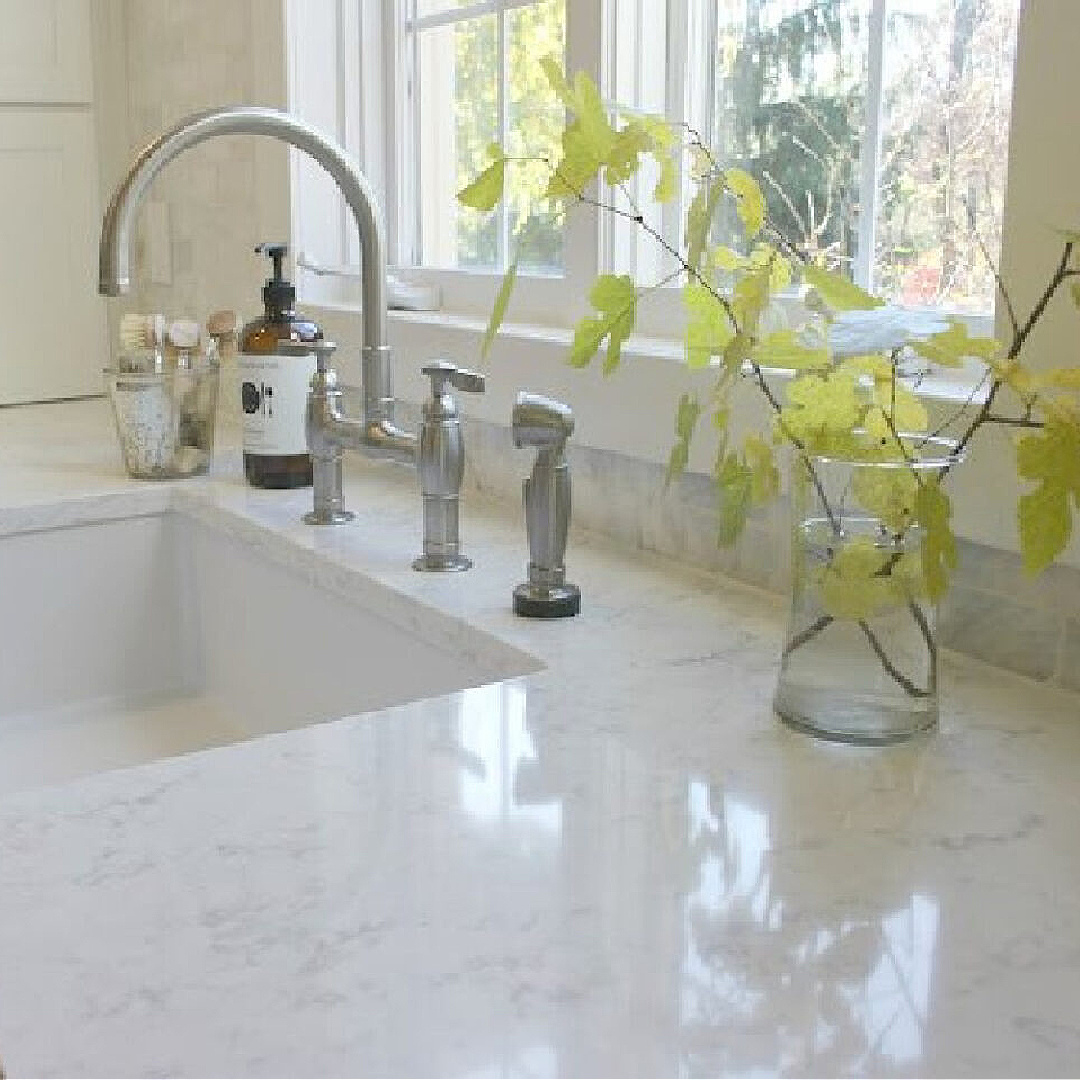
(278, 294)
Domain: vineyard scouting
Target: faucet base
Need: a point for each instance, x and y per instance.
(547, 601)
(328, 517)
(440, 563)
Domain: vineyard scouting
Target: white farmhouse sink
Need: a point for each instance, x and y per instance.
(144, 637)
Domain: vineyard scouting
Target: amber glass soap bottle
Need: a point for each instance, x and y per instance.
(274, 386)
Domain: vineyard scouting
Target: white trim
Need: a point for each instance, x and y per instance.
(461, 14)
(870, 158)
(388, 72)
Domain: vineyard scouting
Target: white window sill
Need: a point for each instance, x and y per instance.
(947, 386)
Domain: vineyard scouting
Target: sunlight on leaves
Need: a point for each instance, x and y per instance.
(487, 189)
(785, 349)
(699, 219)
(951, 347)
(934, 511)
(1052, 458)
(821, 406)
(498, 310)
(708, 326)
(837, 292)
(615, 297)
(750, 200)
(888, 494)
(852, 584)
(735, 484)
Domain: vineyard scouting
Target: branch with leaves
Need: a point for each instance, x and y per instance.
(845, 397)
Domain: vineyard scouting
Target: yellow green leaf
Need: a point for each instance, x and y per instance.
(938, 545)
(677, 460)
(1063, 378)
(665, 189)
(750, 202)
(1015, 376)
(708, 327)
(738, 349)
(751, 297)
(764, 475)
(735, 482)
(615, 297)
(577, 167)
(888, 494)
(1045, 526)
(699, 218)
(686, 416)
(588, 337)
(624, 156)
(498, 310)
(553, 72)
(785, 349)
(724, 259)
(487, 189)
(949, 348)
(1052, 458)
(822, 407)
(837, 292)
(852, 584)
(907, 413)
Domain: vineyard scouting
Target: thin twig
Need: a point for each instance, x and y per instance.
(1060, 274)
(1014, 421)
(898, 676)
(807, 634)
(1003, 292)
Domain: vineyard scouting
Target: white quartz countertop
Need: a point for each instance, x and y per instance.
(622, 864)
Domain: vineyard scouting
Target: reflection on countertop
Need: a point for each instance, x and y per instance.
(620, 865)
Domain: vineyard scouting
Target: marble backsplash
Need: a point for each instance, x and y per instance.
(993, 611)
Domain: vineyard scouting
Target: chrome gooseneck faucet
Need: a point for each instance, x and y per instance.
(375, 433)
(329, 431)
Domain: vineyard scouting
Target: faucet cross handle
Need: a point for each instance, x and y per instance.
(441, 465)
(442, 372)
(323, 407)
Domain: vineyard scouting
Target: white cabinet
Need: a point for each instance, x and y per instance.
(45, 51)
(52, 321)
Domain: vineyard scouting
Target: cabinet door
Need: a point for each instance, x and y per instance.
(52, 320)
(45, 51)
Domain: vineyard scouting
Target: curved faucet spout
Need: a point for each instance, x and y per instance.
(250, 120)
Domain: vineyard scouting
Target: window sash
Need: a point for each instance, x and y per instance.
(376, 118)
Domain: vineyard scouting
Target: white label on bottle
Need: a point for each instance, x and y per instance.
(273, 396)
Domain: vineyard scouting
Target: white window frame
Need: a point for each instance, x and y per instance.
(368, 108)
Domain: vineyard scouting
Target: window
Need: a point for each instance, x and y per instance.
(473, 80)
(878, 129)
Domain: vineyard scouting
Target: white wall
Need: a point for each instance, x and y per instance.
(158, 61)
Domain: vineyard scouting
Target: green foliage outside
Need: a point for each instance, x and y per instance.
(534, 119)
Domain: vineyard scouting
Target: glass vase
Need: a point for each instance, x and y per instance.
(859, 662)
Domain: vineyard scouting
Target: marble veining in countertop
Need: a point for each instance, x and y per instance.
(621, 864)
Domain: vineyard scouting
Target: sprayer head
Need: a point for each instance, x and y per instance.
(540, 421)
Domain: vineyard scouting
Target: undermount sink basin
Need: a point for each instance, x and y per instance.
(144, 637)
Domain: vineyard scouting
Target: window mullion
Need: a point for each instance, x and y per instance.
(870, 155)
(584, 52)
(502, 257)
